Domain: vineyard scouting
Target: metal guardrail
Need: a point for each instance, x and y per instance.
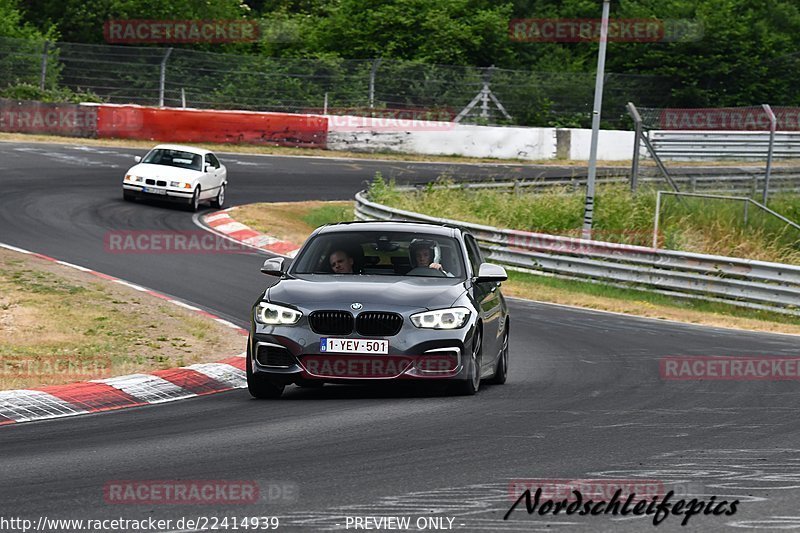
(740, 180)
(691, 145)
(742, 282)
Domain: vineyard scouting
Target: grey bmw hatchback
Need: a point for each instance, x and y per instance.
(369, 302)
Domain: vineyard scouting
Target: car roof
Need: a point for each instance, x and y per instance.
(394, 225)
(192, 149)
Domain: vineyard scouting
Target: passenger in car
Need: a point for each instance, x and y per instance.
(422, 255)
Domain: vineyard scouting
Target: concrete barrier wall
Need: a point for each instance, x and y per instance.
(473, 141)
(612, 145)
(71, 120)
(363, 134)
(358, 134)
(202, 125)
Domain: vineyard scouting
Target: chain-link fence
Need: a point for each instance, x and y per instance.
(176, 77)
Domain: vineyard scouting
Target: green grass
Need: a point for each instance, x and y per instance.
(328, 214)
(528, 283)
(691, 224)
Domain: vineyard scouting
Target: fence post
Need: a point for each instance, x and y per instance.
(183, 98)
(372, 74)
(773, 123)
(746, 205)
(163, 78)
(44, 65)
(637, 121)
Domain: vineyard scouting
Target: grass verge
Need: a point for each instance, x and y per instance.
(59, 325)
(291, 221)
(701, 225)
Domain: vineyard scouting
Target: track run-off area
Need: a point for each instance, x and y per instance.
(584, 400)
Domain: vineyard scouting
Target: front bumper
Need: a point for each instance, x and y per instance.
(170, 194)
(294, 356)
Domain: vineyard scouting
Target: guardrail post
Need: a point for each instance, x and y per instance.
(746, 205)
(773, 123)
(163, 78)
(637, 121)
(655, 220)
(43, 76)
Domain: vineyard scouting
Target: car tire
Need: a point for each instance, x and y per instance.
(261, 387)
(470, 386)
(194, 203)
(501, 370)
(219, 201)
(128, 196)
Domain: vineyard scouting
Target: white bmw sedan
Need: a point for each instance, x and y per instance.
(177, 173)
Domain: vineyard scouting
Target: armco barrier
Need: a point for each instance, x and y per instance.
(71, 120)
(196, 125)
(755, 284)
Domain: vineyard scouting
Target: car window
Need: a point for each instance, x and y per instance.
(214, 161)
(381, 253)
(473, 253)
(173, 158)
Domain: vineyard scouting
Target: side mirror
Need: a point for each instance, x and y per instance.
(138, 158)
(491, 273)
(273, 267)
(209, 168)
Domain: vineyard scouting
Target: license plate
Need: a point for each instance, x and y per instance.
(331, 345)
(154, 191)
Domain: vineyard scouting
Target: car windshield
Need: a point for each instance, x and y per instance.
(381, 253)
(174, 158)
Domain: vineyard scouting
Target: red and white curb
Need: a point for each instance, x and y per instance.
(119, 392)
(223, 224)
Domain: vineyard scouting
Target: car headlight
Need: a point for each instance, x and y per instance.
(268, 313)
(174, 184)
(452, 318)
(137, 178)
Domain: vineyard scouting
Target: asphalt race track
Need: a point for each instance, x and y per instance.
(584, 399)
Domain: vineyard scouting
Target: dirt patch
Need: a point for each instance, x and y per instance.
(283, 220)
(59, 325)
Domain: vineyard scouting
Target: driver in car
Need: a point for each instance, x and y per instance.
(423, 255)
(341, 262)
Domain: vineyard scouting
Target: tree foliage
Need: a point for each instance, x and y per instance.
(746, 53)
